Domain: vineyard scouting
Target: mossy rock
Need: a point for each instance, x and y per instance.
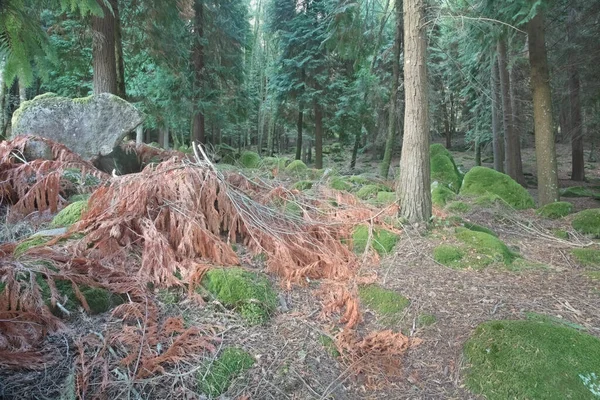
(532, 360)
(443, 168)
(458, 207)
(69, 215)
(296, 168)
(441, 195)
(587, 222)
(482, 249)
(587, 257)
(385, 198)
(249, 293)
(480, 181)
(479, 228)
(80, 197)
(303, 185)
(371, 190)
(387, 304)
(576, 191)
(556, 210)
(27, 244)
(383, 241)
(214, 379)
(360, 180)
(448, 255)
(339, 183)
(249, 159)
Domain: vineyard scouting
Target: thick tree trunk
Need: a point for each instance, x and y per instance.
(514, 166)
(103, 51)
(545, 153)
(318, 136)
(120, 63)
(299, 137)
(575, 125)
(198, 128)
(391, 133)
(498, 136)
(414, 185)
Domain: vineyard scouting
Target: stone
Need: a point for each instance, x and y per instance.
(92, 126)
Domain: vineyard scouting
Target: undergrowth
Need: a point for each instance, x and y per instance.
(387, 304)
(217, 375)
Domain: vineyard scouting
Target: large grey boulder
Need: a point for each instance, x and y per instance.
(91, 126)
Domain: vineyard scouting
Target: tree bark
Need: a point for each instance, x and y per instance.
(299, 137)
(514, 166)
(357, 138)
(545, 152)
(103, 51)
(198, 126)
(318, 136)
(575, 125)
(497, 134)
(414, 185)
(139, 134)
(120, 63)
(22, 92)
(391, 134)
(2, 98)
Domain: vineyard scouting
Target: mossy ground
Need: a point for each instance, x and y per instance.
(441, 195)
(216, 376)
(371, 190)
(483, 249)
(458, 207)
(339, 183)
(329, 345)
(532, 360)
(587, 257)
(249, 159)
(577, 191)
(387, 304)
(249, 293)
(588, 222)
(479, 228)
(426, 320)
(480, 181)
(556, 210)
(383, 241)
(385, 198)
(297, 169)
(69, 215)
(448, 255)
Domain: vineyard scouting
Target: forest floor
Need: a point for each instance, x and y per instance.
(294, 362)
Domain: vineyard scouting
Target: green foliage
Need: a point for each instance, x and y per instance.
(483, 249)
(555, 210)
(249, 159)
(458, 207)
(588, 257)
(248, 293)
(448, 255)
(443, 168)
(385, 198)
(216, 376)
(69, 215)
(25, 245)
(441, 195)
(532, 360)
(383, 241)
(587, 222)
(387, 304)
(302, 185)
(368, 191)
(481, 181)
(560, 233)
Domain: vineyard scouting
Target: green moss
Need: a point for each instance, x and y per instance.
(215, 378)
(249, 159)
(576, 191)
(359, 180)
(339, 183)
(588, 222)
(383, 241)
(483, 249)
(79, 197)
(83, 100)
(443, 168)
(302, 185)
(426, 320)
(441, 195)
(448, 255)
(26, 244)
(329, 346)
(387, 304)
(555, 210)
(75, 176)
(385, 198)
(296, 168)
(168, 296)
(593, 275)
(479, 228)
(588, 257)
(249, 293)
(369, 191)
(458, 207)
(561, 234)
(487, 200)
(532, 360)
(69, 215)
(100, 300)
(482, 181)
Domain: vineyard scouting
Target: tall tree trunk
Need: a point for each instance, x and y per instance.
(139, 134)
(446, 116)
(414, 185)
(120, 63)
(575, 125)
(299, 137)
(497, 134)
(2, 99)
(393, 115)
(318, 136)
(198, 128)
(271, 135)
(514, 166)
(165, 138)
(22, 92)
(357, 139)
(103, 51)
(545, 153)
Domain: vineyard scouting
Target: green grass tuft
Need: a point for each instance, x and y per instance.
(576, 191)
(532, 360)
(483, 181)
(587, 257)
(560, 233)
(248, 293)
(458, 207)
(385, 198)
(69, 215)
(215, 378)
(426, 320)
(441, 195)
(448, 255)
(388, 304)
(249, 159)
(588, 222)
(383, 241)
(555, 210)
(479, 228)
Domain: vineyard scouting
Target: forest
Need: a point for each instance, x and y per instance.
(299, 199)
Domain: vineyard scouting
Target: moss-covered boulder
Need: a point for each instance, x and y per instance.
(481, 181)
(296, 168)
(443, 168)
(576, 191)
(69, 215)
(387, 304)
(441, 195)
(249, 159)
(385, 198)
(483, 249)
(216, 376)
(249, 293)
(556, 210)
(458, 207)
(339, 183)
(587, 222)
(303, 185)
(370, 191)
(383, 241)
